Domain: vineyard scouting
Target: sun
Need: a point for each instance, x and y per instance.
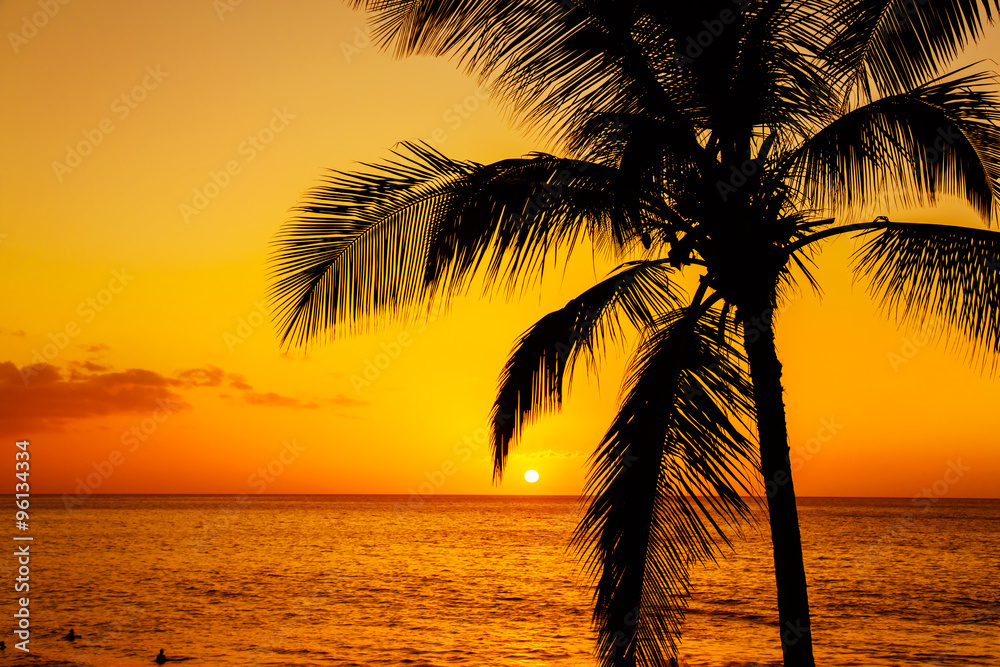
(531, 476)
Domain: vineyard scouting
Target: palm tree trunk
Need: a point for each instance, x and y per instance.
(789, 570)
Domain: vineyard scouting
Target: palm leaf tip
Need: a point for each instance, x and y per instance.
(356, 255)
(543, 359)
(889, 46)
(939, 138)
(665, 480)
(370, 245)
(939, 278)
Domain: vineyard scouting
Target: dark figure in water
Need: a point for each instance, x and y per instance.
(160, 658)
(71, 636)
(3, 647)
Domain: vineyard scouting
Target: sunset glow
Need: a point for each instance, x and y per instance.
(154, 151)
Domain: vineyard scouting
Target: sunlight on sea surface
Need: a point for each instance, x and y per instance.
(366, 580)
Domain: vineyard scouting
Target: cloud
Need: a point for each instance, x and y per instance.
(98, 347)
(271, 399)
(274, 400)
(40, 398)
(237, 381)
(340, 399)
(80, 369)
(20, 333)
(44, 397)
(209, 376)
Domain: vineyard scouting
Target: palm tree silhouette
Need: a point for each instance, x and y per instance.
(726, 138)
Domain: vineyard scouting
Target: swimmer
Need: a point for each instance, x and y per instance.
(161, 658)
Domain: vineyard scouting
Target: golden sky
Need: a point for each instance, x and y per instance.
(151, 151)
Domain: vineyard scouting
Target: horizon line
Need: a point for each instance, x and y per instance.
(484, 495)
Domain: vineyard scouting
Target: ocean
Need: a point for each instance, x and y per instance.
(476, 580)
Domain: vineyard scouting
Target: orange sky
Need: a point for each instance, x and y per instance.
(133, 266)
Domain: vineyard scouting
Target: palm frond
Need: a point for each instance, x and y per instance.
(637, 143)
(767, 69)
(886, 47)
(938, 277)
(552, 62)
(942, 138)
(514, 213)
(471, 30)
(358, 249)
(664, 481)
(534, 376)
(371, 245)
